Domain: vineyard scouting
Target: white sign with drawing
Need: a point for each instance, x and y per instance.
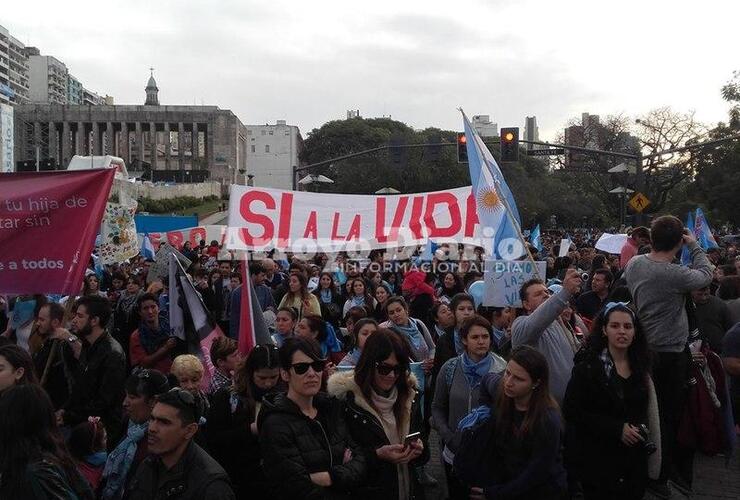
(504, 278)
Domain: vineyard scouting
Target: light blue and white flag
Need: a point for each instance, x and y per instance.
(147, 249)
(534, 238)
(492, 196)
(703, 232)
(685, 254)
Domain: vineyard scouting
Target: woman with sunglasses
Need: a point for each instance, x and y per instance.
(382, 409)
(611, 409)
(458, 389)
(232, 428)
(142, 389)
(307, 450)
(524, 458)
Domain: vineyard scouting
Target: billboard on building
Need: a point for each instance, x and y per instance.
(6, 139)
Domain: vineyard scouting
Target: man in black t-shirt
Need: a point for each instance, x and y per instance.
(590, 303)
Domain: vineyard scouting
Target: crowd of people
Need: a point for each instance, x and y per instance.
(606, 380)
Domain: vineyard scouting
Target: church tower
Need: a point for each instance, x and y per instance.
(152, 91)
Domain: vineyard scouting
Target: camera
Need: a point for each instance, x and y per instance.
(584, 277)
(647, 443)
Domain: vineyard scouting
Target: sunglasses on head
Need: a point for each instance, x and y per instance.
(385, 369)
(302, 368)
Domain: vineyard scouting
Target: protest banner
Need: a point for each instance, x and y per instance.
(504, 278)
(178, 237)
(161, 266)
(262, 219)
(611, 243)
(48, 224)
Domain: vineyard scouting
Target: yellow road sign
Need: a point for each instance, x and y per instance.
(639, 202)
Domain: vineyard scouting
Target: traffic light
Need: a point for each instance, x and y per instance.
(510, 144)
(462, 148)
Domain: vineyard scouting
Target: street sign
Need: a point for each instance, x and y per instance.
(546, 152)
(639, 202)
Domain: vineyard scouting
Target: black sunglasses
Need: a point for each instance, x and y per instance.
(301, 368)
(384, 369)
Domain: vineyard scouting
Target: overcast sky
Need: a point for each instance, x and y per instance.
(309, 62)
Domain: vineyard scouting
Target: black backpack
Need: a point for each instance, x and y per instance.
(472, 464)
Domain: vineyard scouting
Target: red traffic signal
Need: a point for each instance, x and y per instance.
(462, 148)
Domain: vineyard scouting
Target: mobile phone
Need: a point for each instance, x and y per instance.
(410, 438)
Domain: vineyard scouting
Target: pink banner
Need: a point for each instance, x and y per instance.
(48, 224)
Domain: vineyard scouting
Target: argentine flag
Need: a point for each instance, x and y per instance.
(147, 249)
(685, 254)
(703, 232)
(534, 238)
(492, 196)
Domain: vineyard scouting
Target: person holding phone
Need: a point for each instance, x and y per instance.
(383, 415)
(307, 450)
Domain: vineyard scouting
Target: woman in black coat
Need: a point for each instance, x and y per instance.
(232, 429)
(306, 447)
(382, 408)
(609, 397)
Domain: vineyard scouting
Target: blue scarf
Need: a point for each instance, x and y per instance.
(358, 301)
(23, 312)
(412, 333)
(331, 343)
(459, 346)
(498, 336)
(352, 357)
(120, 460)
(96, 459)
(326, 295)
(473, 371)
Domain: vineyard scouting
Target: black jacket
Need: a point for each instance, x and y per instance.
(367, 431)
(97, 390)
(233, 445)
(444, 350)
(595, 414)
(294, 446)
(196, 476)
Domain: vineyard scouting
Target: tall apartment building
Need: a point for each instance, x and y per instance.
(531, 132)
(13, 70)
(74, 90)
(48, 78)
(273, 153)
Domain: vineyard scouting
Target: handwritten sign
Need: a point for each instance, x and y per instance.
(504, 278)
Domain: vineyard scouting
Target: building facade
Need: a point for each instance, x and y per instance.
(531, 132)
(13, 70)
(273, 154)
(74, 90)
(47, 78)
(157, 137)
(484, 126)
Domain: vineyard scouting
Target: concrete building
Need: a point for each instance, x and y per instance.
(13, 70)
(483, 125)
(160, 137)
(589, 134)
(47, 77)
(90, 98)
(74, 90)
(531, 132)
(273, 154)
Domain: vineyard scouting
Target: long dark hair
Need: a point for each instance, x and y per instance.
(368, 299)
(638, 353)
(378, 347)
(317, 324)
(540, 402)
(261, 356)
(19, 358)
(29, 434)
(303, 292)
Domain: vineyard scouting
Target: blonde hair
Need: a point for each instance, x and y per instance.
(187, 365)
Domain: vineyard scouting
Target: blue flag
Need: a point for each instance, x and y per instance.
(492, 196)
(685, 255)
(534, 238)
(147, 249)
(427, 255)
(703, 232)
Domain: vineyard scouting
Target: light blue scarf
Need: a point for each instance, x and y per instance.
(326, 295)
(120, 460)
(459, 346)
(412, 333)
(473, 371)
(357, 300)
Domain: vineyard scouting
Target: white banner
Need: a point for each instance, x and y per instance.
(7, 163)
(504, 278)
(611, 243)
(301, 222)
(178, 237)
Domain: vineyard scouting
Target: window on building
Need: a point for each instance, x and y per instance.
(267, 148)
(253, 148)
(287, 132)
(272, 132)
(264, 132)
(249, 132)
